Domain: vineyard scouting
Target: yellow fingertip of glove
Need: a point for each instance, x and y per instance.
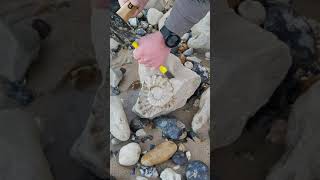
(135, 44)
(163, 69)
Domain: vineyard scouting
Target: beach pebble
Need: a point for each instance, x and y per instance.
(141, 133)
(188, 52)
(163, 19)
(181, 147)
(196, 103)
(133, 22)
(144, 24)
(201, 34)
(170, 127)
(194, 59)
(139, 123)
(188, 64)
(185, 37)
(201, 71)
(161, 153)
(114, 45)
(253, 11)
(140, 15)
(207, 55)
(176, 167)
(188, 154)
(169, 174)
(141, 32)
(148, 171)
(153, 16)
(180, 158)
(197, 170)
(182, 47)
(129, 154)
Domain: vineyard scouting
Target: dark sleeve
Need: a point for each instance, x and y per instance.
(185, 14)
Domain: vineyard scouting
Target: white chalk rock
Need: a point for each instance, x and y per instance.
(119, 126)
(201, 34)
(163, 19)
(203, 115)
(156, 4)
(185, 37)
(207, 55)
(133, 22)
(188, 64)
(124, 56)
(159, 95)
(141, 178)
(115, 77)
(114, 45)
(153, 16)
(252, 11)
(129, 154)
(169, 174)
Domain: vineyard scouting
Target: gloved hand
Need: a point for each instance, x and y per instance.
(138, 3)
(152, 50)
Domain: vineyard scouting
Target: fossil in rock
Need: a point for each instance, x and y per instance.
(160, 95)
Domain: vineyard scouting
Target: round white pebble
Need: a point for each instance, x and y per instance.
(129, 154)
(188, 64)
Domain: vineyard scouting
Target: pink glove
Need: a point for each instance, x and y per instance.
(138, 3)
(152, 50)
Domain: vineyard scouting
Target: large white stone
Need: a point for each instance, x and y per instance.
(253, 11)
(119, 126)
(163, 18)
(153, 16)
(129, 154)
(201, 34)
(169, 174)
(249, 64)
(203, 115)
(159, 95)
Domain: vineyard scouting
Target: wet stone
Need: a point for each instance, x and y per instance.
(201, 71)
(148, 171)
(139, 123)
(188, 52)
(197, 170)
(180, 158)
(140, 32)
(171, 128)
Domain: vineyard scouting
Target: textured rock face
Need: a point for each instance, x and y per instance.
(301, 161)
(19, 46)
(119, 126)
(154, 16)
(242, 76)
(253, 11)
(201, 34)
(159, 95)
(203, 115)
(159, 154)
(129, 154)
(169, 174)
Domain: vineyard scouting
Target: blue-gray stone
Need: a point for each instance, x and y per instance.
(188, 52)
(201, 71)
(170, 127)
(197, 170)
(141, 31)
(180, 158)
(148, 171)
